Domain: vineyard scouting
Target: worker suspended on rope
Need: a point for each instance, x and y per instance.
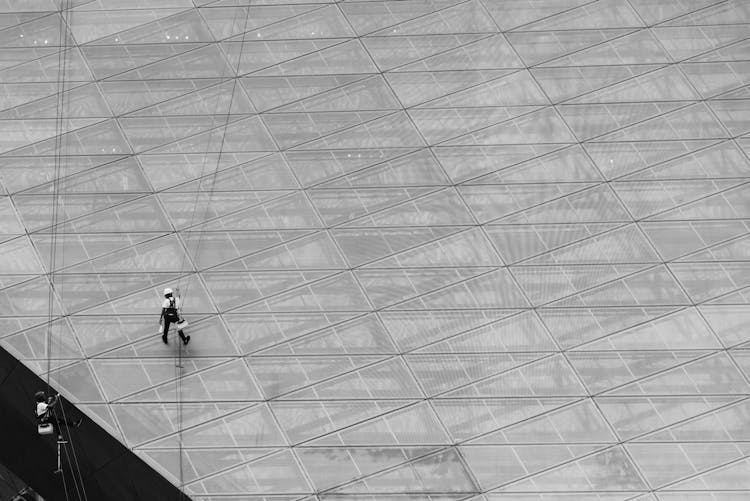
(46, 417)
(171, 312)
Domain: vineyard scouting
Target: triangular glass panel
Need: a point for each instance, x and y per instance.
(323, 22)
(236, 289)
(316, 251)
(204, 62)
(563, 83)
(338, 293)
(600, 15)
(363, 245)
(440, 125)
(718, 161)
(391, 286)
(652, 287)
(441, 207)
(622, 245)
(224, 382)
(121, 176)
(492, 52)
(541, 126)
(53, 341)
(222, 99)
(621, 158)
(413, 329)
(519, 242)
(122, 377)
(692, 122)
(227, 19)
(236, 136)
(395, 130)
(123, 60)
(440, 373)
(684, 330)
(326, 470)
(417, 168)
(566, 165)
(265, 475)
(363, 335)
(392, 52)
(706, 280)
(102, 415)
(495, 289)
(313, 167)
(272, 92)
(371, 93)
(166, 418)
(463, 163)
(654, 11)
(730, 323)
(76, 211)
(492, 202)
(589, 121)
(415, 87)
(699, 377)
(317, 57)
(467, 17)
(77, 382)
(536, 47)
(302, 421)
(185, 27)
(293, 129)
(386, 380)
(186, 210)
(611, 469)
(712, 78)
(715, 14)
(729, 204)
(638, 47)
(512, 14)
(91, 25)
(469, 248)
(197, 463)
(206, 166)
(369, 17)
(255, 332)
(601, 372)
(686, 42)
(80, 101)
(20, 174)
(279, 375)
(519, 333)
(339, 206)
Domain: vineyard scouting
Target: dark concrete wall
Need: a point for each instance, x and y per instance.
(109, 470)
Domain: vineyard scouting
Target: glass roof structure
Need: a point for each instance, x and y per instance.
(431, 250)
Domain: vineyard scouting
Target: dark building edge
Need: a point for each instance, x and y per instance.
(110, 471)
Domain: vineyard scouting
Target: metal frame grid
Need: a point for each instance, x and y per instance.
(489, 250)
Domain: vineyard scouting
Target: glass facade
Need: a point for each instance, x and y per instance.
(432, 250)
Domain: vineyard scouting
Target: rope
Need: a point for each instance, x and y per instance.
(62, 61)
(200, 236)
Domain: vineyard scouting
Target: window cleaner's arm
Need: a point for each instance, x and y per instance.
(51, 401)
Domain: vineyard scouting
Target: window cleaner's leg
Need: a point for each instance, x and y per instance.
(166, 331)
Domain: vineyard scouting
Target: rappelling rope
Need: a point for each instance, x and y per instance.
(64, 21)
(209, 201)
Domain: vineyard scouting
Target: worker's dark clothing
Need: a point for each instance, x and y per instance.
(170, 314)
(45, 414)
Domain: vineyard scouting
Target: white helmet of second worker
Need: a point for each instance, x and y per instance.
(167, 291)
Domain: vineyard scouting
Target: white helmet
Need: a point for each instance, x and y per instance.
(167, 291)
